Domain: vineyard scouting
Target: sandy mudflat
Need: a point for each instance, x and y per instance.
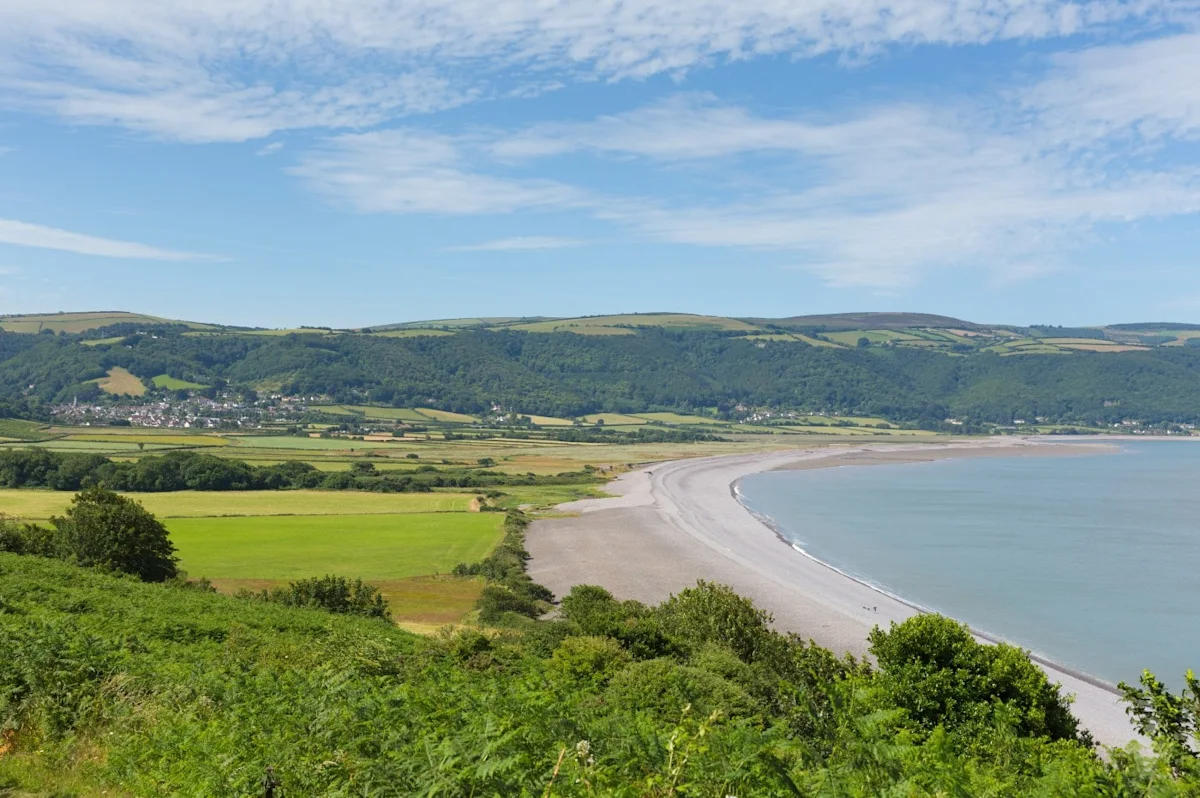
(673, 523)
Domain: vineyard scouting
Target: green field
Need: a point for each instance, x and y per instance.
(618, 325)
(374, 547)
(80, 322)
(414, 333)
(172, 384)
(22, 430)
(301, 443)
(151, 438)
(100, 447)
(613, 418)
(41, 504)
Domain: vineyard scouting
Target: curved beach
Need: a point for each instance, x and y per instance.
(673, 523)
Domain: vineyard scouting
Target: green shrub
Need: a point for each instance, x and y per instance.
(663, 688)
(496, 600)
(335, 594)
(940, 675)
(111, 532)
(710, 613)
(588, 661)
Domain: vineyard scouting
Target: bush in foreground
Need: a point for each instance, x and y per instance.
(102, 530)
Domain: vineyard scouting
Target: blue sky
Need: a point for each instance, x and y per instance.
(283, 162)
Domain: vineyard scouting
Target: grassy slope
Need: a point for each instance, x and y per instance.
(194, 652)
(120, 382)
(82, 322)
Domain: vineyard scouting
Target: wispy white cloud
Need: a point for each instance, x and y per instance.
(35, 235)
(1147, 91)
(180, 69)
(521, 243)
(270, 149)
(878, 196)
(410, 171)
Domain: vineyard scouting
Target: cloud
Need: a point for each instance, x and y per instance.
(270, 149)
(520, 243)
(411, 171)
(35, 235)
(231, 70)
(1146, 91)
(877, 196)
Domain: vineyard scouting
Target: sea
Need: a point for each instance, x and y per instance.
(1091, 561)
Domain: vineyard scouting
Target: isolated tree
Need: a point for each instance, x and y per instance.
(105, 530)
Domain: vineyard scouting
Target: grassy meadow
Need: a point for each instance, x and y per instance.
(374, 547)
(173, 384)
(42, 504)
(407, 556)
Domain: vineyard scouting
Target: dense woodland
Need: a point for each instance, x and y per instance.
(569, 375)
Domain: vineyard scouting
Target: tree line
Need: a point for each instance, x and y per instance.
(36, 467)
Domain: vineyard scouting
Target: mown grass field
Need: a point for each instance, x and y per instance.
(163, 440)
(41, 504)
(374, 547)
(550, 421)
(446, 415)
(120, 382)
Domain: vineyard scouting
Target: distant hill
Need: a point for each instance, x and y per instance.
(916, 368)
(926, 331)
(83, 322)
(872, 321)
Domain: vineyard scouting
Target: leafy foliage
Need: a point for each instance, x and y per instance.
(105, 530)
(1172, 722)
(335, 594)
(933, 669)
(154, 690)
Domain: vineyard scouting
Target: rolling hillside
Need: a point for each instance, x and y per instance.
(84, 322)
(928, 332)
(843, 330)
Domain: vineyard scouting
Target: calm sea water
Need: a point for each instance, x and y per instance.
(1091, 561)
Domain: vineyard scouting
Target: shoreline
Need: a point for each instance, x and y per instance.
(671, 523)
(979, 634)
